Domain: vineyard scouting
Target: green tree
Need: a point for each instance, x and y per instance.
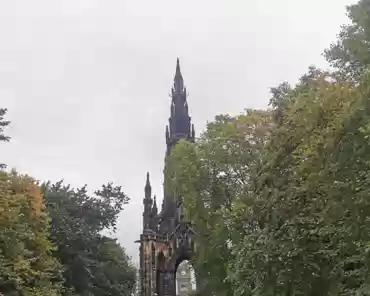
(350, 54)
(211, 176)
(3, 124)
(113, 273)
(26, 264)
(280, 202)
(309, 200)
(294, 220)
(93, 264)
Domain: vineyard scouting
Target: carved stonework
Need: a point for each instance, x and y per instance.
(166, 239)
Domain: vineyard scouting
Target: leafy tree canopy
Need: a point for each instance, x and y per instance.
(93, 264)
(212, 175)
(309, 198)
(3, 124)
(26, 263)
(350, 54)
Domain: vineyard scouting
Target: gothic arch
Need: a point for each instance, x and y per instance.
(185, 277)
(179, 256)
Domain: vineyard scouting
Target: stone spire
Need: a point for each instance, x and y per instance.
(147, 201)
(180, 126)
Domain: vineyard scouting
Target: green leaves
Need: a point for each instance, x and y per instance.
(3, 124)
(212, 176)
(310, 197)
(92, 262)
(350, 54)
(54, 247)
(280, 199)
(26, 262)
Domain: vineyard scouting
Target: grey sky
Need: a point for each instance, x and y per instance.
(86, 82)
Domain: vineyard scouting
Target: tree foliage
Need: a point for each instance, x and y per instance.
(280, 200)
(26, 263)
(289, 216)
(212, 176)
(3, 124)
(310, 198)
(93, 264)
(54, 246)
(51, 241)
(27, 266)
(350, 54)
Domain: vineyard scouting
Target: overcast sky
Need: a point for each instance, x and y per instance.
(86, 82)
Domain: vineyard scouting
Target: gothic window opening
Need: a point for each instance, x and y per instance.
(185, 279)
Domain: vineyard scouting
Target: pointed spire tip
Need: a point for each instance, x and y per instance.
(178, 66)
(147, 178)
(178, 80)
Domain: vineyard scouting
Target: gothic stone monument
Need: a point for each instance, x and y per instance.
(167, 239)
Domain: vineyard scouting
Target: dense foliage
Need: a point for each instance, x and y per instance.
(350, 54)
(93, 264)
(213, 174)
(26, 263)
(3, 124)
(280, 197)
(51, 241)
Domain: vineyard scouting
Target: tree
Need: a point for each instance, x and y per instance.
(350, 54)
(113, 274)
(93, 264)
(3, 124)
(309, 201)
(26, 264)
(211, 176)
(280, 202)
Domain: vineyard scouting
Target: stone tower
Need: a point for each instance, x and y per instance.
(167, 239)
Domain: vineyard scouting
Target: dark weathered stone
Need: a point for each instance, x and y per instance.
(167, 239)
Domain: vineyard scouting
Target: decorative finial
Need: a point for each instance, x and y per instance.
(178, 86)
(147, 178)
(148, 188)
(167, 134)
(155, 208)
(178, 70)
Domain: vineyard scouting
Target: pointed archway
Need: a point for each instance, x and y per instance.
(185, 279)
